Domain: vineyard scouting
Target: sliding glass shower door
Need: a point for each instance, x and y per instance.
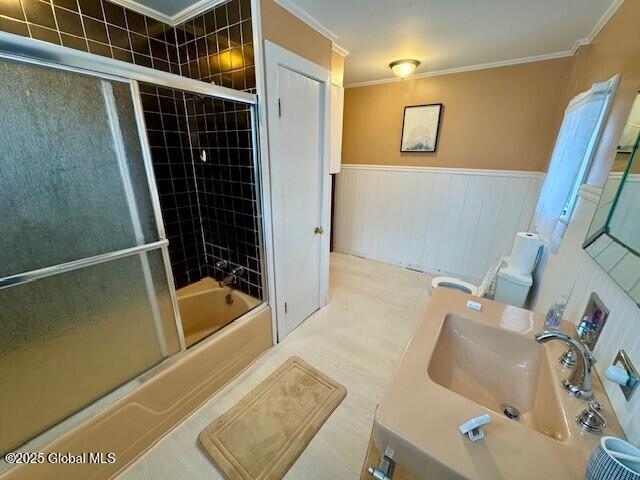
(85, 301)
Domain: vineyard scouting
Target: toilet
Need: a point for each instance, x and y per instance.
(509, 279)
(500, 283)
(459, 285)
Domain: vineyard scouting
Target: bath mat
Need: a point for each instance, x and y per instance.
(264, 433)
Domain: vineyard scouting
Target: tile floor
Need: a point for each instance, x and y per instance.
(357, 340)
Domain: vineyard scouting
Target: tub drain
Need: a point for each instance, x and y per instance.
(510, 411)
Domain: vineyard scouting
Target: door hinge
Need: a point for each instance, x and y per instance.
(285, 307)
(279, 108)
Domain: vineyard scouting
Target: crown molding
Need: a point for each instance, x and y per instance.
(307, 18)
(182, 16)
(469, 68)
(606, 16)
(339, 50)
(193, 10)
(143, 9)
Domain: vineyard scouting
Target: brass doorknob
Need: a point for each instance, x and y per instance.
(318, 231)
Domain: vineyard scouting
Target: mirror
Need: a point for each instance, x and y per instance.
(613, 239)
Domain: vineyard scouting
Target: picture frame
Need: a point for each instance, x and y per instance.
(421, 128)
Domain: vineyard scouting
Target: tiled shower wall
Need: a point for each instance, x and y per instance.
(167, 131)
(94, 26)
(216, 46)
(221, 131)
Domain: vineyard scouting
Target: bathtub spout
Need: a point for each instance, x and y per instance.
(232, 278)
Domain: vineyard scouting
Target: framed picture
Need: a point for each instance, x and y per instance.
(420, 128)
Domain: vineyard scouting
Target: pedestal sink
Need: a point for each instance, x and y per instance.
(462, 364)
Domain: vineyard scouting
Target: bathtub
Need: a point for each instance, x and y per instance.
(160, 401)
(205, 308)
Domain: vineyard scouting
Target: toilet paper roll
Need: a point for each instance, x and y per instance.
(524, 252)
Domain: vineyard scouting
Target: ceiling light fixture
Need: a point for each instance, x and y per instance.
(403, 68)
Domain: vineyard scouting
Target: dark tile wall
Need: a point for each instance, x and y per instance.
(168, 134)
(218, 212)
(218, 46)
(227, 186)
(94, 26)
(209, 207)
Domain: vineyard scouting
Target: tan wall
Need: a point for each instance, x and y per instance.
(285, 29)
(337, 68)
(502, 118)
(621, 161)
(616, 49)
(505, 118)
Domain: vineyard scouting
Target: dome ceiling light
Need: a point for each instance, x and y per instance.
(403, 68)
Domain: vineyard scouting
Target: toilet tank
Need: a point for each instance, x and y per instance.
(512, 288)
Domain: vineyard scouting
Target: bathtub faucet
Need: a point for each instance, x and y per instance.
(232, 278)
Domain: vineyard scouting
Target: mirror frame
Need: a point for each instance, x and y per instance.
(603, 239)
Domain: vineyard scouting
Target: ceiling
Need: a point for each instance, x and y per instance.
(442, 34)
(449, 34)
(166, 8)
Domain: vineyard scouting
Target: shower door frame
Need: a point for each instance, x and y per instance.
(26, 50)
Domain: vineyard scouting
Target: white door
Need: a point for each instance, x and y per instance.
(300, 138)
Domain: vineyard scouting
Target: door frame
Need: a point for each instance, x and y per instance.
(275, 57)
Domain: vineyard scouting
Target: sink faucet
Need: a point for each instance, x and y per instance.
(578, 383)
(231, 278)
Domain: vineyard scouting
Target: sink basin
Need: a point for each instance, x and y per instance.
(496, 368)
(461, 364)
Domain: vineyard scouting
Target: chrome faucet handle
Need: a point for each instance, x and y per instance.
(569, 359)
(590, 419)
(238, 271)
(595, 405)
(222, 264)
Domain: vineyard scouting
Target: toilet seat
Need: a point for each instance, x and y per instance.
(455, 284)
(486, 288)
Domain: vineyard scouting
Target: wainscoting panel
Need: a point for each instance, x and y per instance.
(450, 221)
(573, 270)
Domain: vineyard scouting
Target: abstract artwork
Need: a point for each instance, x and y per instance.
(420, 128)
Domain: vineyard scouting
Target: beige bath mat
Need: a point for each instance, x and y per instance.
(265, 432)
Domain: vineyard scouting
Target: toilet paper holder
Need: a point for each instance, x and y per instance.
(624, 374)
